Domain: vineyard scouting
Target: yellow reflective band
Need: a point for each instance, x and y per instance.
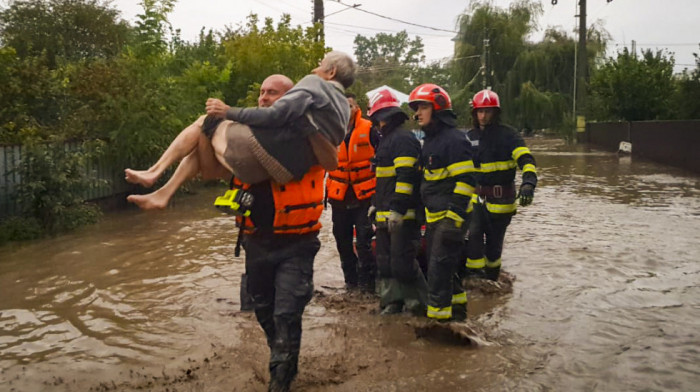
(460, 298)
(385, 171)
(463, 188)
(404, 187)
(439, 313)
(410, 214)
(382, 216)
(227, 200)
(471, 207)
(458, 168)
(458, 219)
(404, 161)
(431, 217)
(498, 166)
(529, 168)
(501, 208)
(476, 263)
(520, 151)
(435, 174)
(493, 264)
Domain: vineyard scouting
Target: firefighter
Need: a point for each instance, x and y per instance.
(280, 226)
(446, 190)
(397, 208)
(349, 190)
(498, 152)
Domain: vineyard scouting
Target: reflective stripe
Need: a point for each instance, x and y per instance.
(404, 161)
(458, 219)
(382, 216)
(463, 188)
(462, 167)
(498, 166)
(460, 298)
(501, 208)
(476, 263)
(493, 264)
(529, 168)
(439, 313)
(520, 151)
(385, 171)
(435, 174)
(431, 217)
(404, 187)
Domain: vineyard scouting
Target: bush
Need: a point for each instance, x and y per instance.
(54, 181)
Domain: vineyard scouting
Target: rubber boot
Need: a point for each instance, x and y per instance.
(459, 312)
(492, 273)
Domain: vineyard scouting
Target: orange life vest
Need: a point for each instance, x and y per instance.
(354, 167)
(298, 204)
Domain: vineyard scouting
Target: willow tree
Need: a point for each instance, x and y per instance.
(489, 42)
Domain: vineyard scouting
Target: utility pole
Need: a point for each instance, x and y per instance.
(582, 60)
(318, 18)
(485, 63)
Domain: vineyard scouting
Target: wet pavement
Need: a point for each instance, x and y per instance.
(606, 297)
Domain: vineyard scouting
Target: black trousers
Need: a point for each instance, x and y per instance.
(356, 259)
(446, 295)
(487, 232)
(280, 281)
(398, 267)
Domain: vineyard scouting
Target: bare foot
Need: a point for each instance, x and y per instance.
(151, 201)
(144, 178)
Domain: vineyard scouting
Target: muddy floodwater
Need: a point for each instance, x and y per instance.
(605, 297)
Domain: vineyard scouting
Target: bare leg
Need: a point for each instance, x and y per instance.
(202, 160)
(183, 145)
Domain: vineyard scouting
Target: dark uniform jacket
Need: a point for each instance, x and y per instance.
(448, 173)
(398, 176)
(498, 152)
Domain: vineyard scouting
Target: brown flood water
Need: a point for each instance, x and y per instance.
(606, 297)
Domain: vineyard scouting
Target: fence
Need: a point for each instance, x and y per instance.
(673, 143)
(11, 157)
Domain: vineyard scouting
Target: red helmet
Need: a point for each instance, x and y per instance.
(432, 93)
(382, 99)
(485, 99)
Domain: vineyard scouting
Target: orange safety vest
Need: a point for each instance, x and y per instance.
(354, 167)
(298, 204)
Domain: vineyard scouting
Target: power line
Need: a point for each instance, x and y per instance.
(387, 30)
(356, 7)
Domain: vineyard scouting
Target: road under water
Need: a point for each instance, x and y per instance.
(606, 297)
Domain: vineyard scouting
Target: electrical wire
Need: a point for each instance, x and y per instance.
(356, 7)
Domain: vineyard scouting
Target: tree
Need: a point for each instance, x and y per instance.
(257, 52)
(633, 88)
(687, 102)
(390, 59)
(68, 29)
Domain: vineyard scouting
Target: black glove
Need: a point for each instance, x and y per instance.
(450, 232)
(526, 194)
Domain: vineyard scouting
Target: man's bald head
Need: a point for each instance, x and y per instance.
(273, 88)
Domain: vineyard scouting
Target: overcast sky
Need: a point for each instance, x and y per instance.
(673, 25)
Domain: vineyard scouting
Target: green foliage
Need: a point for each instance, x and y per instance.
(17, 228)
(62, 29)
(256, 53)
(687, 100)
(390, 59)
(53, 182)
(633, 88)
